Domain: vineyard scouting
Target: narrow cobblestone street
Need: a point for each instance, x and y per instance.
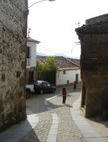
(48, 120)
(46, 106)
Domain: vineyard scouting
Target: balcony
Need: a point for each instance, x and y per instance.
(28, 62)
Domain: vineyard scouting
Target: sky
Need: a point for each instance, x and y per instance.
(54, 23)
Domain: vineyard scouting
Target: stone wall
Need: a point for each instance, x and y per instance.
(13, 27)
(94, 67)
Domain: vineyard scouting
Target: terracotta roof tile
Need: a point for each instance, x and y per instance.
(29, 39)
(62, 62)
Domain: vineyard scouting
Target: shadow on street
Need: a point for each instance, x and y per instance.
(19, 132)
(38, 103)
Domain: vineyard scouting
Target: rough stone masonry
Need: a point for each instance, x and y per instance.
(13, 27)
(94, 65)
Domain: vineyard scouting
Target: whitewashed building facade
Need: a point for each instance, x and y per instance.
(66, 76)
(31, 60)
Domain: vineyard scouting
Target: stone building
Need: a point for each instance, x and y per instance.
(94, 65)
(13, 27)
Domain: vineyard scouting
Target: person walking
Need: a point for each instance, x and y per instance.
(64, 93)
(75, 85)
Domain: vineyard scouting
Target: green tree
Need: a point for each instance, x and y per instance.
(47, 70)
(39, 66)
(49, 65)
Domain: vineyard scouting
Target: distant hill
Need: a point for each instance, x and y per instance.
(57, 55)
(40, 54)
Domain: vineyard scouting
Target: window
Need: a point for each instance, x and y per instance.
(45, 83)
(28, 52)
(76, 77)
(64, 72)
(31, 76)
(67, 81)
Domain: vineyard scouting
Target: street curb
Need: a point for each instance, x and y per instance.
(54, 129)
(87, 131)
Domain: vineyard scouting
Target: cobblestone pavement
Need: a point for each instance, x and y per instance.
(48, 120)
(47, 105)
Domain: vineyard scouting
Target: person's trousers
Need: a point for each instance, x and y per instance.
(64, 99)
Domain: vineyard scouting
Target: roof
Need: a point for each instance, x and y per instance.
(96, 25)
(73, 68)
(98, 19)
(100, 28)
(62, 62)
(29, 39)
(75, 61)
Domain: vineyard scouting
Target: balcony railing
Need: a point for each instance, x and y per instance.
(28, 61)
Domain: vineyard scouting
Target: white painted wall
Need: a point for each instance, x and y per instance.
(70, 75)
(32, 60)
